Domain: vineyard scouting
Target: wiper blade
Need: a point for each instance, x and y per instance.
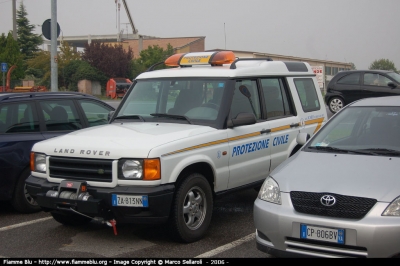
(181, 117)
(131, 117)
(328, 148)
(380, 151)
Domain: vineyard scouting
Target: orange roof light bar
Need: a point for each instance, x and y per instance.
(201, 58)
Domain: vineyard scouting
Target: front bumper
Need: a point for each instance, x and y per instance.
(100, 204)
(278, 232)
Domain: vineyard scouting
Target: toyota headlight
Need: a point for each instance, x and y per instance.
(137, 169)
(393, 209)
(38, 162)
(270, 191)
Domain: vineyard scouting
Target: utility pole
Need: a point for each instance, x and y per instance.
(53, 58)
(14, 12)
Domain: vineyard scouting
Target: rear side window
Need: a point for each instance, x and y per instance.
(95, 113)
(352, 79)
(307, 93)
(60, 115)
(275, 97)
(18, 118)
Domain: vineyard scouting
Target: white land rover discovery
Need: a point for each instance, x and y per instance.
(181, 136)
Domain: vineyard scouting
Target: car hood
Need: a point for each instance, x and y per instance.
(374, 177)
(115, 138)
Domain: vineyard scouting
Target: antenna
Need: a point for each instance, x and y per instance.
(225, 35)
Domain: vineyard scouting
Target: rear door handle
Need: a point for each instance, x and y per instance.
(295, 125)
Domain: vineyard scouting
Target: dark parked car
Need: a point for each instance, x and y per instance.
(26, 118)
(349, 86)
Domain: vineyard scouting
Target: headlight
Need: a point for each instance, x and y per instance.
(132, 169)
(147, 169)
(38, 162)
(270, 191)
(393, 209)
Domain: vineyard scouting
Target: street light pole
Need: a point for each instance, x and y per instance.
(54, 59)
(14, 11)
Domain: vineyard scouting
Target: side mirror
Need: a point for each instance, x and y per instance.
(242, 119)
(110, 114)
(392, 85)
(302, 138)
(245, 91)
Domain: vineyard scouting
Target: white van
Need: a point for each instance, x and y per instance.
(209, 124)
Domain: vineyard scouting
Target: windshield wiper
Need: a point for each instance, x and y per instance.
(380, 151)
(181, 117)
(327, 148)
(131, 117)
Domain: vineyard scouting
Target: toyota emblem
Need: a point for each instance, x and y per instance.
(328, 200)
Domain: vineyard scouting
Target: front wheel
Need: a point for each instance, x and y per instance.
(70, 219)
(335, 104)
(22, 201)
(192, 209)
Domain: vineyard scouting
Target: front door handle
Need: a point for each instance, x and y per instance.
(265, 131)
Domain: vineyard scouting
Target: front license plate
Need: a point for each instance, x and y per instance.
(130, 201)
(322, 233)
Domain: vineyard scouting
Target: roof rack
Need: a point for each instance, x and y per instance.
(11, 95)
(233, 65)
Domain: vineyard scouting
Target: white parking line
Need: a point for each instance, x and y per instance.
(23, 224)
(227, 246)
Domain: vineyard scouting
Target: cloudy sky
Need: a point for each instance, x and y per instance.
(358, 31)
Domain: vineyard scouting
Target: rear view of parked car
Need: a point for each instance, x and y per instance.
(27, 118)
(349, 86)
(339, 196)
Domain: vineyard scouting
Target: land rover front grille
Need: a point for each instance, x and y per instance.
(344, 207)
(81, 169)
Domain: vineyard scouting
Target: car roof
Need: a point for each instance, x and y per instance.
(4, 96)
(378, 101)
(248, 68)
(366, 71)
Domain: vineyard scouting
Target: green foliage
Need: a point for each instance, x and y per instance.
(10, 54)
(39, 66)
(353, 66)
(112, 60)
(77, 70)
(150, 56)
(28, 41)
(383, 64)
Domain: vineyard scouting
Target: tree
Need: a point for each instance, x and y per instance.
(150, 56)
(39, 66)
(10, 54)
(383, 64)
(77, 70)
(27, 40)
(353, 66)
(112, 60)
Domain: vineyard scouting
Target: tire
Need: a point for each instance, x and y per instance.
(22, 201)
(335, 104)
(189, 221)
(70, 219)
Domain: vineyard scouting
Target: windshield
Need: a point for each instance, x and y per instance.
(193, 101)
(395, 76)
(374, 130)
